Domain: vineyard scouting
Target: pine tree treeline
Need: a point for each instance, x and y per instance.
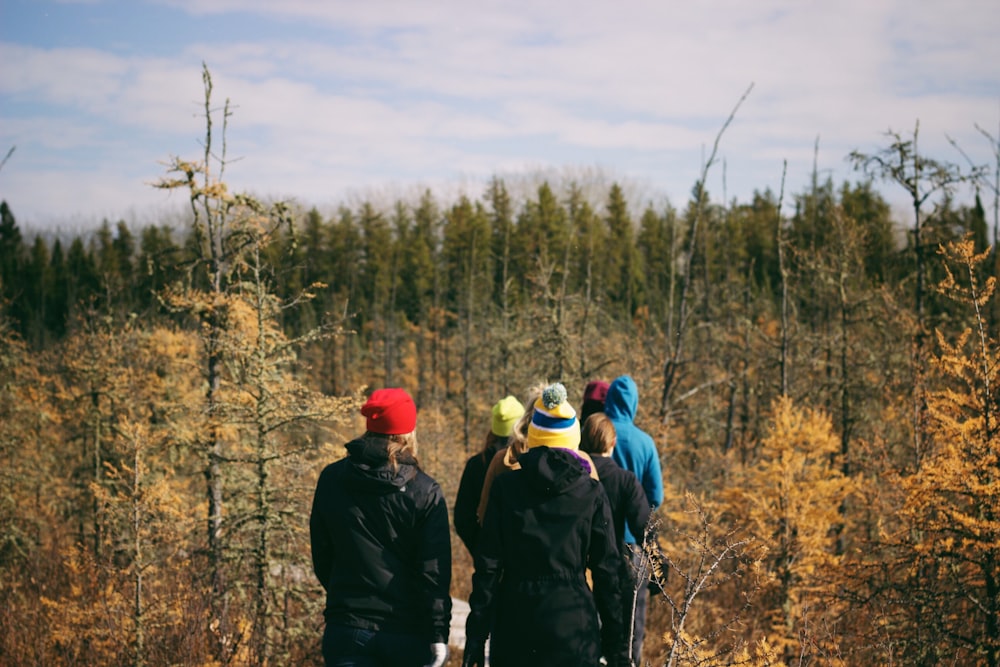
(829, 445)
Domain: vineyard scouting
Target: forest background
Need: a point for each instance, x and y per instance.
(820, 379)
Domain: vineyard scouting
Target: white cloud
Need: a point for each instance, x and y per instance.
(345, 95)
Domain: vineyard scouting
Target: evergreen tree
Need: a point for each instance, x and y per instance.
(621, 258)
(84, 282)
(57, 308)
(541, 240)
(871, 212)
(156, 266)
(37, 286)
(502, 233)
(587, 278)
(467, 266)
(12, 261)
(657, 241)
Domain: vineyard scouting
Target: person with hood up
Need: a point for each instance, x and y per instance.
(546, 524)
(634, 451)
(381, 546)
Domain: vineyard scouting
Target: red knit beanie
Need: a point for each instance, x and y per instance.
(390, 411)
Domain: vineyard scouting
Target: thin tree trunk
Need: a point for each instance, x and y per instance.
(137, 558)
(783, 272)
(674, 358)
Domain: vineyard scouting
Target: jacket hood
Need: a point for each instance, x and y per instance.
(370, 468)
(622, 400)
(552, 470)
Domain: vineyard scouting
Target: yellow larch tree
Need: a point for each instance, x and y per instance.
(790, 499)
(951, 545)
(127, 595)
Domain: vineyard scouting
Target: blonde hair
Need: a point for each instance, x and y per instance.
(399, 445)
(518, 440)
(598, 434)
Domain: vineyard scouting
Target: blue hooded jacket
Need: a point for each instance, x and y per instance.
(635, 450)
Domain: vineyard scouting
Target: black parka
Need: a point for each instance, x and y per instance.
(381, 545)
(628, 500)
(545, 525)
(470, 488)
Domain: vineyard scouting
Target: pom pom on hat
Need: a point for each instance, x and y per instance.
(554, 423)
(390, 411)
(506, 412)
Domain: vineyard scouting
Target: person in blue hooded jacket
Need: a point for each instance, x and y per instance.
(636, 452)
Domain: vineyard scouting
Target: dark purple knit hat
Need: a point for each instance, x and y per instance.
(596, 390)
(593, 398)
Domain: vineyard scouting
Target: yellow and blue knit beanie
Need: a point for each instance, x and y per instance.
(505, 414)
(554, 422)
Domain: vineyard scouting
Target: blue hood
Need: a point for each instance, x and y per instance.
(622, 400)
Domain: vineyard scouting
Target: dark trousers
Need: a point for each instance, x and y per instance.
(345, 646)
(640, 581)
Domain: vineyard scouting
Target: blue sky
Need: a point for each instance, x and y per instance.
(342, 100)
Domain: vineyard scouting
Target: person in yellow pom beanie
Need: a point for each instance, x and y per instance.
(546, 524)
(504, 415)
(505, 460)
(554, 422)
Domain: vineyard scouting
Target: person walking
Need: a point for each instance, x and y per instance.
(504, 415)
(635, 451)
(593, 399)
(381, 546)
(628, 500)
(546, 524)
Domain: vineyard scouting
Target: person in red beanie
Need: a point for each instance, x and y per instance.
(381, 546)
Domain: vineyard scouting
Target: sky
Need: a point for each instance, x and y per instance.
(338, 101)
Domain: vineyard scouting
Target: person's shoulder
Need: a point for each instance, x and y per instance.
(605, 466)
(335, 466)
(608, 468)
(424, 479)
(424, 486)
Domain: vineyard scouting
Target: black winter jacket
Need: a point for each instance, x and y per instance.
(628, 500)
(545, 525)
(470, 488)
(381, 546)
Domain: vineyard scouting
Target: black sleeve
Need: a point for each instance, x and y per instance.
(636, 505)
(467, 502)
(605, 566)
(319, 536)
(488, 569)
(435, 563)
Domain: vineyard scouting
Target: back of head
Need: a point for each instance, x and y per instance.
(391, 415)
(518, 440)
(505, 414)
(597, 435)
(554, 422)
(593, 399)
(390, 411)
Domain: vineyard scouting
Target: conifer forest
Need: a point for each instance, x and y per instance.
(820, 376)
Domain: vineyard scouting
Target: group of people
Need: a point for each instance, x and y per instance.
(553, 510)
